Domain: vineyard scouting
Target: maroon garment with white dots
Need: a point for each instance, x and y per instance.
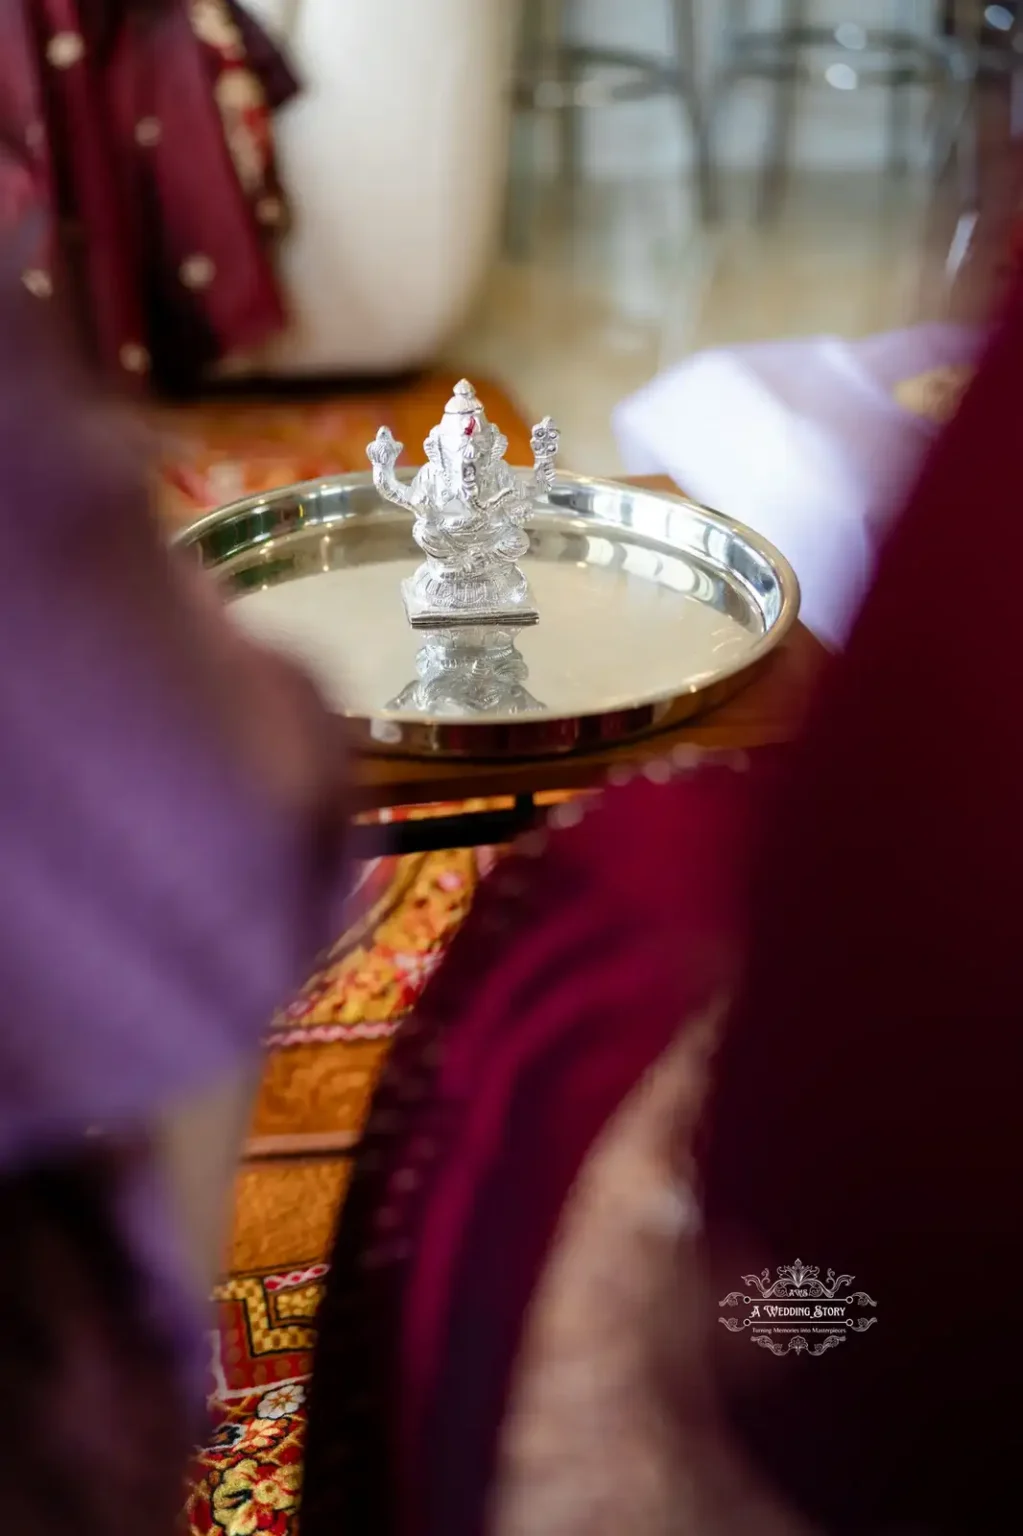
(135, 137)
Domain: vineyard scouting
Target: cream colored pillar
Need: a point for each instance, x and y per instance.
(395, 159)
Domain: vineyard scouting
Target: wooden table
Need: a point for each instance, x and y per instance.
(765, 712)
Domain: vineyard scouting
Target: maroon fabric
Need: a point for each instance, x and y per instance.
(866, 1114)
(867, 1092)
(96, 1435)
(569, 978)
(124, 154)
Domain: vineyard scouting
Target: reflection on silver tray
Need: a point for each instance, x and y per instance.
(651, 607)
(467, 670)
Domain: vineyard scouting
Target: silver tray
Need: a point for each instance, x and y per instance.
(651, 609)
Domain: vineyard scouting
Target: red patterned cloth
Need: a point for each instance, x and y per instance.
(135, 139)
(247, 1478)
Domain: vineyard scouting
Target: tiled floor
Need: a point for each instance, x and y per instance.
(618, 282)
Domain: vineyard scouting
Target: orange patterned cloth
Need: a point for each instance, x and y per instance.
(221, 450)
(326, 1050)
(220, 453)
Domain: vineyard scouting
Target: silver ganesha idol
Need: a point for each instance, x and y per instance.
(470, 509)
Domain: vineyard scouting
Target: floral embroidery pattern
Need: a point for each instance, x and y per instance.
(256, 1496)
(281, 1401)
(256, 1437)
(246, 1482)
(224, 1438)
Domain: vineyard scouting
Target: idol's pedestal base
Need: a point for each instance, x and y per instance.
(422, 613)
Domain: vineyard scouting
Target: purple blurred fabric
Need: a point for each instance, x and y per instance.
(158, 898)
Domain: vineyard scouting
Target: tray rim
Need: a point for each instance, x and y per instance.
(524, 737)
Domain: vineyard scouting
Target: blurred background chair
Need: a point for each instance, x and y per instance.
(623, 262)
(558, 76)
(991, 37)
(980, 201)
(913, 48)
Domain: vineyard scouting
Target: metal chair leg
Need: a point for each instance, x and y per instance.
(519, 204)
(554, 57)
(956, 142)
(904, 14)
(540, 53)
(774, 176)
(954, 139)
(694, 105)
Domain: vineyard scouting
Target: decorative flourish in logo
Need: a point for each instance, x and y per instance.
(797, 1312)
